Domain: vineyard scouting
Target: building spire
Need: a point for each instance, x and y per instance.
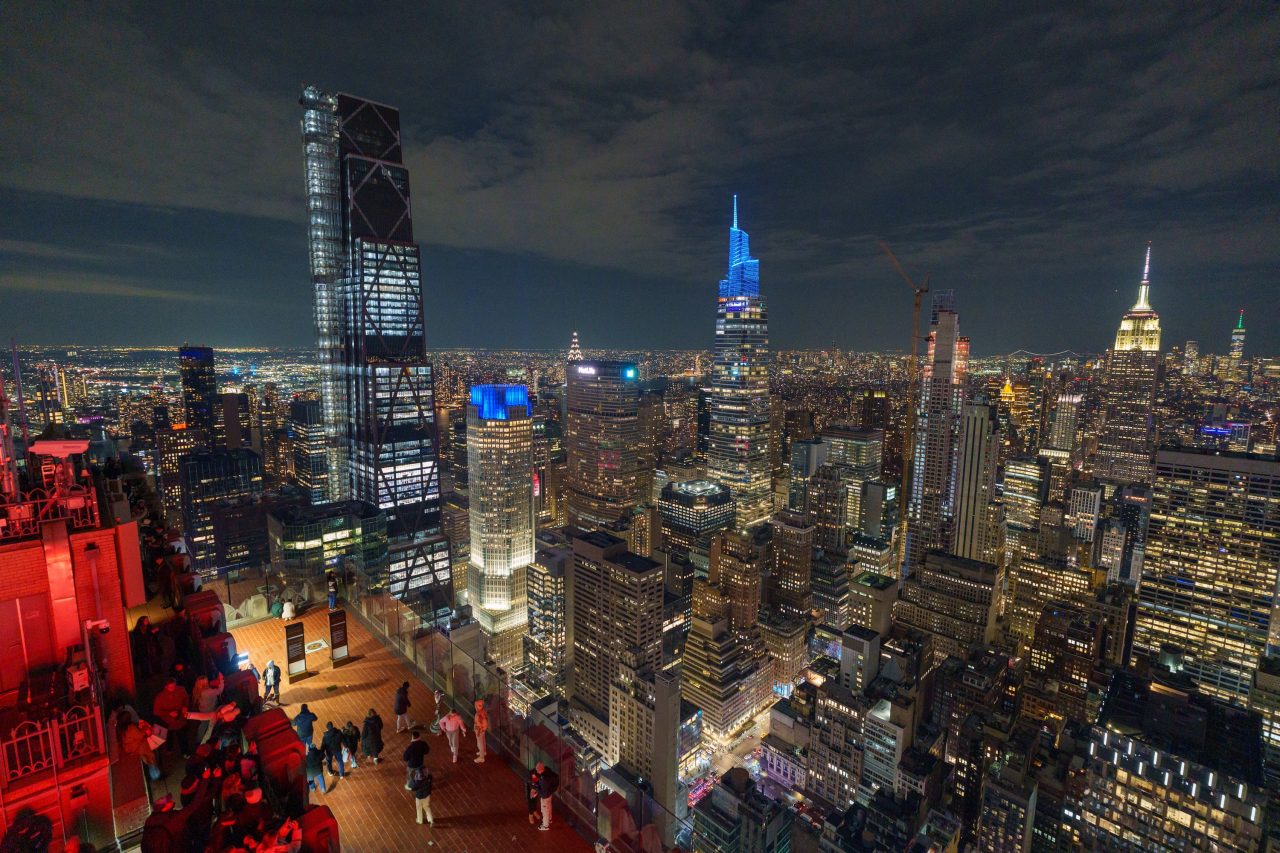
(1240, 322)
(735, 210)
(575, 350)
(1143, 303)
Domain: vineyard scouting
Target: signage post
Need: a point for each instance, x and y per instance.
(295, 645)
(338, 637)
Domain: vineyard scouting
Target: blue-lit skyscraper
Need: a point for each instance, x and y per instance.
(500, 464)
(738, 400)
(378, 389)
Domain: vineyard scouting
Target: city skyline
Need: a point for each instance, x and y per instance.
(988, 193)
(778, 582)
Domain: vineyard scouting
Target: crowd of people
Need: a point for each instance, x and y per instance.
(334, 753)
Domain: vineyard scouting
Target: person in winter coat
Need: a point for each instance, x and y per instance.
(453, 727)
(331, 743)
(422, 796)
(304, 723)
(371, 736)
(315, 769)
(481, 725)
(133, 740)
(548, 784)
(415, 758)
(400, 707)
(350, 743)
(271, 683)
(170, 709)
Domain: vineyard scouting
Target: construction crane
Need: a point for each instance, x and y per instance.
(908, 438)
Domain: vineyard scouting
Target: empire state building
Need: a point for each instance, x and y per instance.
(1124, 443)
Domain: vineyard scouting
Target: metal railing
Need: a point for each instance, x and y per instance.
(50, 744)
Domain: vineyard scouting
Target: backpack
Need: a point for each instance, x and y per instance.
(417, 776)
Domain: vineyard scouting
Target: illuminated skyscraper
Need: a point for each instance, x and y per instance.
(975, 535)
(199, 388)
(942, 385)
(614, 616)
(1210, 568)
(604, 443)
(691, 511)
(738, 430)
(1124, 445)
(310, 457)
(207, 478)
(575, 350)
(500, 463)
(377, 387)
(1066, 419)
(1237, 376)
(793, 563)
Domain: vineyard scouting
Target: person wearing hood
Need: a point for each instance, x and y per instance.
(271, 683)
(371, 736)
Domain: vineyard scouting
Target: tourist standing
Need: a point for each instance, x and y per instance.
(415, 757)
(271, 683)
(315, 769)
(453, 727)
(331, 743)
(548, 784)
(400, 707)
(350, 743)
(371, 736)
(422, 796)
(304, 724)
(481, 726)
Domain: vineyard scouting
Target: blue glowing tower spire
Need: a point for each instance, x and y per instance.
(743, 278)
(738, 400)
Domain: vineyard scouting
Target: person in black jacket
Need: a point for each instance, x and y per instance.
(350, 743)
(548, 784)
(315, 769)
(304, 724)
(422, 796)
(331, 743)
(371, 736)
(415, 757)
(271, 683)
(400, 707)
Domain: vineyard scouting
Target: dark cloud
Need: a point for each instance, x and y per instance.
(572, 163)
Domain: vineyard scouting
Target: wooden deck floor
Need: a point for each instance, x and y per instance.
(478, 807)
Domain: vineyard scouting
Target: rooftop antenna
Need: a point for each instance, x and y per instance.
(735, 210)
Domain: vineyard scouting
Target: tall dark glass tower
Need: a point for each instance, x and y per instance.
(378, 390)
(738, 401)
(199, 387)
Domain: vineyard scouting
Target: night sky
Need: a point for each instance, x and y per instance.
(573, 168)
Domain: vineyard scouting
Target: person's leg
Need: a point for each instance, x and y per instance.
(426, 804)
(546, 812)
(417, 808)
